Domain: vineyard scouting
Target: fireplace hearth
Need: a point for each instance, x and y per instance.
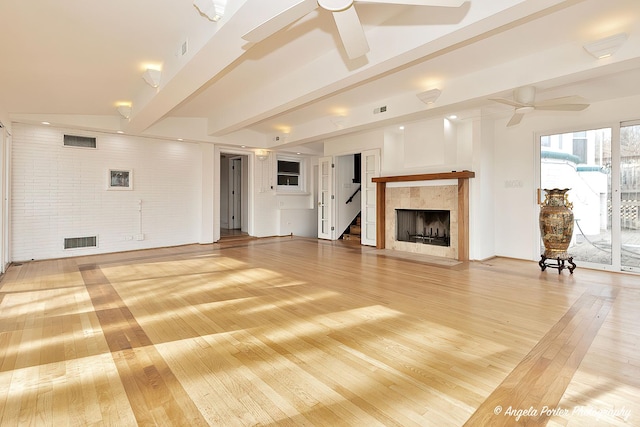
(423, 226)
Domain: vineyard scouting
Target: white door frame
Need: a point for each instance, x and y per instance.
(368, 222)
(249, 193)
(369, 168)
(235, 193)
(326, 198)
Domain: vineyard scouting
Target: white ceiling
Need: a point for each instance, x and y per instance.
(70, 61)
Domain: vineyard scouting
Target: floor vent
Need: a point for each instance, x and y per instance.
(79, 141)
(80, 242)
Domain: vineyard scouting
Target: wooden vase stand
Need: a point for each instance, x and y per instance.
(557, 263)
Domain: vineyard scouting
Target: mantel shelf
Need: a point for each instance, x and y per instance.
(426, 176)
(463, 204)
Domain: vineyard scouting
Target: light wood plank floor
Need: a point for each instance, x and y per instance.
(293, 331)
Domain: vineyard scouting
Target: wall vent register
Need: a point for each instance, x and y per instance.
(80, 141)
(80, 242)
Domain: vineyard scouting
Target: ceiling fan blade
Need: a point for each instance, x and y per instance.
(566, 103)
(563, 107)
(508, 102)
(445, 3)
(515, 119)
(281, 20)
(351, 32)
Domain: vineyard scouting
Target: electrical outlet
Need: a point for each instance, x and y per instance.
(128, 237)
(140, 236)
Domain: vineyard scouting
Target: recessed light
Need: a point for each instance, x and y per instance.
(243, 146)
(45, 123)
(180, 139)
(401, 128)
(453, 117)
(119, 131)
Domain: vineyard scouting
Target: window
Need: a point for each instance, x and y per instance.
(580, 146)
(290, 176)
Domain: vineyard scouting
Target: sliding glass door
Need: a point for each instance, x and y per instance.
(601, 167)
(630, 196)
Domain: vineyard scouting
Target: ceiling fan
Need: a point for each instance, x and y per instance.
(524, 102)
(345, 16)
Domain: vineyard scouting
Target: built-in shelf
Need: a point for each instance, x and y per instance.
(463, 204)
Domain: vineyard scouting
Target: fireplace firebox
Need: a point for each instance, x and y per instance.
(424, 226)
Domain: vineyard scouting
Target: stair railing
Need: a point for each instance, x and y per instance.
(350, 199)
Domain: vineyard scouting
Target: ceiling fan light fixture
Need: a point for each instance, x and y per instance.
(429, 96)
(212, 9)
(525, 109)
(605, 47)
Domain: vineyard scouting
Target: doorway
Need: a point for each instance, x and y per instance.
(346, 189)
(233, 194)
(601, 167)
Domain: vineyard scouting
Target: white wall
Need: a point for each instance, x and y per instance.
(299, 222)
(482, 202)
(60, 192)
(424, 147)
(207, 201)
(354, 143)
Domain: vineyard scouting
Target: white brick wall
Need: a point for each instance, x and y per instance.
(59, 192)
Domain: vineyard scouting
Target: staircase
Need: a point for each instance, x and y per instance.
(353, 232)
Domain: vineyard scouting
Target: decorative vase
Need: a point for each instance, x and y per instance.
(556, 223)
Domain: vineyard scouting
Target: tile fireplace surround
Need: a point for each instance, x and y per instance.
(446, 197)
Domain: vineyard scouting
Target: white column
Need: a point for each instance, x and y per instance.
(207, 197)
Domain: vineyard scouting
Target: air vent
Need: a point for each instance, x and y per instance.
(183, 48)
(80, 242)
(79, 141)
(379, 110)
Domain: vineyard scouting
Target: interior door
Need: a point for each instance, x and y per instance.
(370, 168)
(235, 197)
(325, 198)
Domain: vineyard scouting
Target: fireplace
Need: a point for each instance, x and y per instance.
(438, 192)
(424, 226)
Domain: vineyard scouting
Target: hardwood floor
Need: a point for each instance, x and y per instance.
(293, 331)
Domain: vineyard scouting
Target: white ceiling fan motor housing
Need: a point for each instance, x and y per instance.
(335, 5)
(525, 95)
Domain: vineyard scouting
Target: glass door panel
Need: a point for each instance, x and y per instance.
(325, 205)
(581, 161)
(630, 197)
(370, 169)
